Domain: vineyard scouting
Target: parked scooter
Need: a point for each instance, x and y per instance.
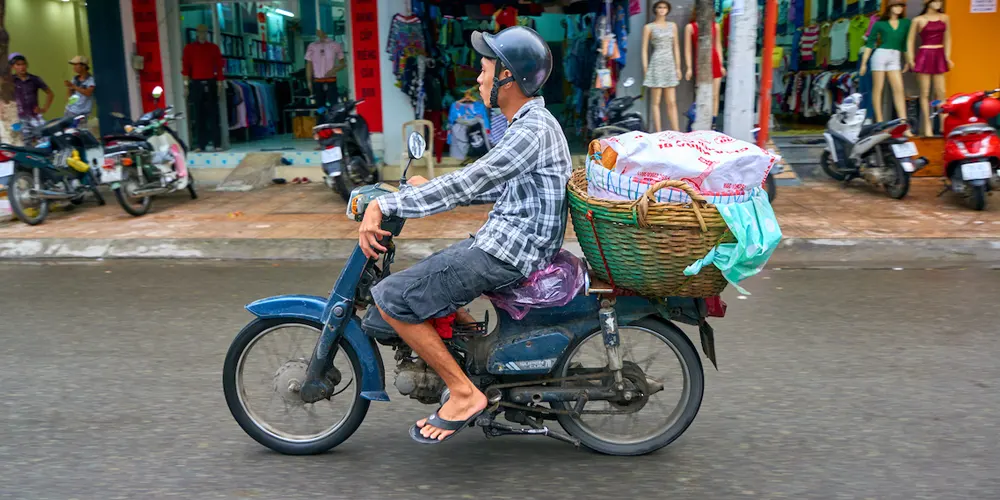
(971, 148)
(347, 155)
(618, 116)
(878, 153)
(560, 363)
(149, 160)
(63, 165)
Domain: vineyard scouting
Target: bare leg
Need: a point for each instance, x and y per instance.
(671, 93)
(654, 106)
(939, 91)
(898, 95)
(878, 85)
(716, 85)
(925, 105)
(466, 400)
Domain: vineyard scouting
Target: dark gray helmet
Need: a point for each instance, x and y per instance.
(520, 50)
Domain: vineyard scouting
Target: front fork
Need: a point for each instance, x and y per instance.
(612, 340)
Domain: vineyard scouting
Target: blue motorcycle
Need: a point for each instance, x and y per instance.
(612, 368)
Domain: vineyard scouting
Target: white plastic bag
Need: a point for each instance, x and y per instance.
(714, 164)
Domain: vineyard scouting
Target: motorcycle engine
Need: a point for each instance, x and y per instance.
(875, 173)
(418, 381)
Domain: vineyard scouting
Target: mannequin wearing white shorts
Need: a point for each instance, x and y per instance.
(887, 60)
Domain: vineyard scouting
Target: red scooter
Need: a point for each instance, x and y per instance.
(972, 148)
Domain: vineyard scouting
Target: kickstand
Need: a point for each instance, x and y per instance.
(492, 429)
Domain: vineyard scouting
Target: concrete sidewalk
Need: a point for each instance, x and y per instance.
(823, 224)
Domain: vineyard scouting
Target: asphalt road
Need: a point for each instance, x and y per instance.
(832, 384)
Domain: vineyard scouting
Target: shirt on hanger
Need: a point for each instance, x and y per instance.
(838, 41)
(324, 56)
(810, 35)
(856, 37)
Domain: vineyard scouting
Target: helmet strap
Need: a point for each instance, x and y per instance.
(497, 83)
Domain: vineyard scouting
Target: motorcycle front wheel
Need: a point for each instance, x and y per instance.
(660, 361)
(29, 209)
(261, 385)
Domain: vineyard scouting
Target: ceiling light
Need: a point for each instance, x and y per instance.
(276, 11)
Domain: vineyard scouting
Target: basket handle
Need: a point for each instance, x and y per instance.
(697, 201)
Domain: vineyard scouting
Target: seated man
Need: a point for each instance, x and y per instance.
(525, 174)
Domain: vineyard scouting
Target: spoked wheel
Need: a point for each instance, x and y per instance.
(125, 194)
(665, 370)
(262, 375)
(29, 209)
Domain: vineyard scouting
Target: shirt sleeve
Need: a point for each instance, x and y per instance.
(186, 61)
(480, 181)
(310, 53)
(220, 64)
(88, 83)
(873, 36)
(41, 83)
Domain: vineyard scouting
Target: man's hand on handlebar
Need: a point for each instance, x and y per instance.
(371, 231)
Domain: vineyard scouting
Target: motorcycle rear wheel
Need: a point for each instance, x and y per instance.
(977, 197)
(693, 388)
(17, 194)
(348, 180)
(126, 201)
(901, 186)
(277, 435)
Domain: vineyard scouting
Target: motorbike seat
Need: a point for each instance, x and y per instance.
(375, 326)
(124, 147)
(26, 149)
(869, 129)
(53, 126)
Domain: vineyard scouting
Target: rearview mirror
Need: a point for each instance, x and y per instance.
(416, 146)
(629, 82)
(157, 92)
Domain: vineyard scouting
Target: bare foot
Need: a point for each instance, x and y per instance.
(458, 408)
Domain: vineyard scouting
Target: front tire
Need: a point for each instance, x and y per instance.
(682, 415)
(31, 211)
(830, 167)
(269, 435)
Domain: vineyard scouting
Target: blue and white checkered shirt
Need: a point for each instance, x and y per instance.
(525, 174)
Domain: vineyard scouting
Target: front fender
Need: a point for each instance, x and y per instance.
(312, 308)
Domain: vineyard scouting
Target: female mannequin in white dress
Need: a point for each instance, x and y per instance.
(662, 69)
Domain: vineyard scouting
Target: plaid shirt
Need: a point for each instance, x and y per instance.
(525, 174)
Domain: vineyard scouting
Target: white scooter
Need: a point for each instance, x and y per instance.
(879, 153)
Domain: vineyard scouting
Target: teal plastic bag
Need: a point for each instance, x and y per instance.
(757, 235)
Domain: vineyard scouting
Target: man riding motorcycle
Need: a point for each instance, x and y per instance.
(525, 175)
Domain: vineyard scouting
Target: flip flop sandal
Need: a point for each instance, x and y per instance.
(446, 425)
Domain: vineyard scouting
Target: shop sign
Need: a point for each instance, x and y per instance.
(365, 46)
(982, 6)
(147, 45)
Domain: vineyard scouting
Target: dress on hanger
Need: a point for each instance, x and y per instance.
(662, 70)
(931, 61)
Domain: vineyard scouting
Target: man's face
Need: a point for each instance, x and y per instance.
(21, 68)
(79, 68)
(485, 80)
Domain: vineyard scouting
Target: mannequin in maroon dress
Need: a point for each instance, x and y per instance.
(932, 58)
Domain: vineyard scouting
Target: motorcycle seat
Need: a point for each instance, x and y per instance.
(26, 149)
(375, 326)
(53, 126)
(125, 147)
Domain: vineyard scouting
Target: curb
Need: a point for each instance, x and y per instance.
(793, 252)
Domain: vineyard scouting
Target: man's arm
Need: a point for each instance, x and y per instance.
(478, 182)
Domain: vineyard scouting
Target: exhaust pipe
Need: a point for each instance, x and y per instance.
(52, 195)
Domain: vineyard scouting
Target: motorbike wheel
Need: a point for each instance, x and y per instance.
(351, 178)
(136, 207)
(977, 197)
(692, 386)
(901, 185)
(31, 211)
(194, 194)
(830, 167)
(279, 433)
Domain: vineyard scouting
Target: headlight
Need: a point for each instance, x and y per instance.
(129, 129)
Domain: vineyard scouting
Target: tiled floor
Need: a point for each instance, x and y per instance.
(813, 210)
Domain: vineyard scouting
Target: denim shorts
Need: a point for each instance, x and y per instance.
(442, 283)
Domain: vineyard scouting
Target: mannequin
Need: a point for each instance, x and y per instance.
(204, 77)
(691, 54)
(662, 71)
(932, 59)
(889, 33)
(324, 59)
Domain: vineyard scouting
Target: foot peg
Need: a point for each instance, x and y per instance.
(492, 429)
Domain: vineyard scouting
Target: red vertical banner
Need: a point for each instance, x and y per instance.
(148, 46)
(366, 55)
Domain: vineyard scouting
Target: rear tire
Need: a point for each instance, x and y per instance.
(977, 197)
(137, 210)
(693, 373)
(901, 186)
(191, 190)
(16, 194)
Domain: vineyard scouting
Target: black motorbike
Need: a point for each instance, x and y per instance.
(347, 155)
(617, 117)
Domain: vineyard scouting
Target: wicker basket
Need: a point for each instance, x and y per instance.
(644, 246)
